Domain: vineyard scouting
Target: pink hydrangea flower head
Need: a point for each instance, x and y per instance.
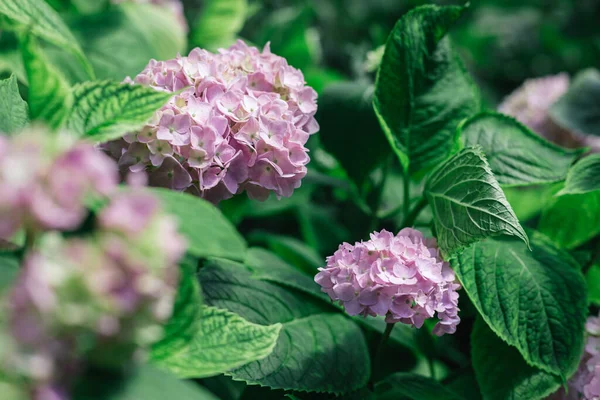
(101, 300)
(240, 123)
(531, 102)
(585, 384)
(401, 277)
(45, 181)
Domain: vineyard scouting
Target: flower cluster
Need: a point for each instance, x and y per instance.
(240, 122)
(530, 104)
(175, 6)
(585, 384)
(99, 300)
(402, 277)
(45, 181)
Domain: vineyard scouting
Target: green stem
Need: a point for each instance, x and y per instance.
(411, 217)
(376, 367)
(378, 195)
(406, 201)
(431, 367)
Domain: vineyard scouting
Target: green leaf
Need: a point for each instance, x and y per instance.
(120, 41)
(219, 23)
(183, 324)
(516, 155)
(422, 90)
(572, 219)
(145, 382)
(414, 387)
(267, 266)
(593, 284)
(529, 201)
(223, 341)
(106, 110)
(579, 110)
(350, 130)
(208, 232)
(38, 19)
(501, 371)
(317, 351)
(292, 250)
(468, 203)
(534, 299)
(49, 94)
(13, 109)
(584, 177)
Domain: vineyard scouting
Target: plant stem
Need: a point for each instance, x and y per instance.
(406, 201)
(378, 195)
(431, 367)
(410, 218)
(377, 359)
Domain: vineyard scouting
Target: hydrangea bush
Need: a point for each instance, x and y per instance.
(165, 234)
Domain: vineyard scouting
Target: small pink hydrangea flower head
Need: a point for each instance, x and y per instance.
(401, 277)
(585, 384)
(46, 180)
(240, 123)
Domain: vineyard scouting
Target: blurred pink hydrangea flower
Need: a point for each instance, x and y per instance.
(531, 103)
(240, 123)
(585, 384)
(401, 277)
(45, 180)
(99, 300)
(175, 6)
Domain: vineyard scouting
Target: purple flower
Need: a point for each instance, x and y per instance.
(401, 277)
(531, 103)
(240, 124)
(46, 181)
(101, 300)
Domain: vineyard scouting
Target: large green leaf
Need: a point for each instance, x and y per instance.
(350, 130)
(13, 109)
(40, 20)
(145, 382)
(208, 232)
(120, 41)
(267, 266)
(423, 91)
(219, 23)
(584, 177)
(223, 341)
(49, 95)
(579, 110)
(468, 203)
(183, 325)
(501, 371)
(533, 299)
(412, 387)
(292, 250)
(317, 351)
(516, 155)
(572, 219)
(105, 110)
